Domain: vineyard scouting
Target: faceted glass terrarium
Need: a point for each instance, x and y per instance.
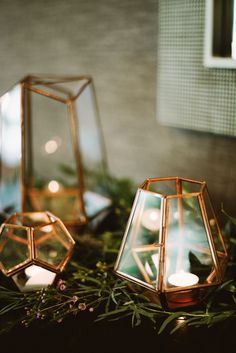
(34, 247)
(52, 154)
(173, 247)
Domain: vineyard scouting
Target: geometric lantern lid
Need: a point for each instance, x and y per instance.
(57, 161)
(173, 245)
(34, 246)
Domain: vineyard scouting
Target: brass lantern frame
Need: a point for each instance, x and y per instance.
(31, 243)
(55, 91)
(158, 292)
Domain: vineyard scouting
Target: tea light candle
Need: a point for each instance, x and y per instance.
(151, 219)
(38, 277)
(183, 279)
(53, 186)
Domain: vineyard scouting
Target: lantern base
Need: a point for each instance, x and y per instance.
(173, 300)
(182, 299)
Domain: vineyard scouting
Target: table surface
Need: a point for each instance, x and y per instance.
(81, 334)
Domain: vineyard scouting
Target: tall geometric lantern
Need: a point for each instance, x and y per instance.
(172, 249)
(52, 152)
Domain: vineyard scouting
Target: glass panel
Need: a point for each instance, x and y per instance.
(188, 255)
(62, 87)
(66, 205)
(92, 153)
(52, 182)
(52, 143)
(29, 219)
(217, 237)
(147, 259)
(164, 187)
(51, 243)
(190, 187)
(14, 248)
(10, 149)
(33, 278)
(140, 255)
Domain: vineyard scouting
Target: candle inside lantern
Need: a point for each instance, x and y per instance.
(38, 277)
(183, 279)
(51, 146)
(151, 219)
(53, 186)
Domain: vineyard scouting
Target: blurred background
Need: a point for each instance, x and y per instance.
(163, 112)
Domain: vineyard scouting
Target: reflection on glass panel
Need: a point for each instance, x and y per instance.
(89, 135)
(51, 243)
(33, 219)
(187, 187)
(189, 258)
(215, 230)
(10, 148)
(52, 144)
(53, 183)
(14, 246)
(166, 188)
(92, 152)
(140, 256)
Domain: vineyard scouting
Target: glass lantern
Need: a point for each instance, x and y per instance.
(52, 155)
(34, 247)
(172, 249)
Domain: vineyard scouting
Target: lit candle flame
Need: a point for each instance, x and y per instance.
(53, 186)
(51, 146)
(151, 219)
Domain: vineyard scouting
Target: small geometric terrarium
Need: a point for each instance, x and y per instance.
(34, 247)
(52, 154)
(172, 249)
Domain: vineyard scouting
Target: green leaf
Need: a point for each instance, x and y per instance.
(113, 312)
(212, 297)
(232, 219)
(169, 319)
(67, 170)
(182, 324)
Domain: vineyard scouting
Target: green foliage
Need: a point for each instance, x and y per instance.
(89, 285)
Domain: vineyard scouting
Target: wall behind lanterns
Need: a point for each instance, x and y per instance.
(116, 42)
(189, 94)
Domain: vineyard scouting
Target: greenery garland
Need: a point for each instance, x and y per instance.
(95, 289)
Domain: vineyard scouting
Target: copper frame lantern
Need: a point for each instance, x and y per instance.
(52, 155)
(172, 249)
(34, 247)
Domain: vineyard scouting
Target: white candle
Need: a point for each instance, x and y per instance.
(151, 219)
(38, 277)
(32, 270)
(183, 279)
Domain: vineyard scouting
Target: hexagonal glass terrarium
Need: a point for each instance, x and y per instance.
(34, 247)
(52, 155)
(172, 248)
